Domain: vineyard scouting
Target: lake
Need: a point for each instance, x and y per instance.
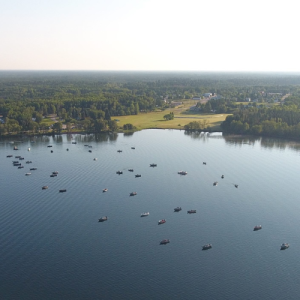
(53, 247)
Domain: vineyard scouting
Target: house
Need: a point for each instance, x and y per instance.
(176, 103)
(207, 95)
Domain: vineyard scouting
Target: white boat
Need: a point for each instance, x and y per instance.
(28, 149)
(102, 219)
(104, 190)
(95, 158)
(257, 227)
(27, 174)
(145, 214)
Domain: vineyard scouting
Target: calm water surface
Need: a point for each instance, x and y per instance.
(52, 246)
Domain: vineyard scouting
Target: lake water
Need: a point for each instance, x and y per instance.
(53, 247)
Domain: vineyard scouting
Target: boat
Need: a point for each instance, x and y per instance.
(164, 242)
(74, 142)
(20, 167)
(45, 187)
(236, 185)
(53, 175)
(145, 214)
(133, 194)
(16, 148)
(192, 211)
(27, 174)
(18, 156)
(284, 246)
(130, 170)
(215, 183)
(163, 221)
(207, 246)
(222, 176)
(49, 146)
(67, 149)
(182, 172)
(51, 151)
(16, 164)
(204, 163)
(33, 169)
(104, 190)
(133, 148)
(9, 155)
(119, 151)
(138, 175)
(153, 165)
(102, 219)
(86, 145)
(119, 172)
(257, 227)
(28, 149)
(90, 151)
(55, 172)
(62, 191)
(177, 209)
(21, 158)
(28, 162)
(90, 146)
(95, 158)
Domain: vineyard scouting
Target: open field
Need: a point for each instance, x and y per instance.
(156, 119)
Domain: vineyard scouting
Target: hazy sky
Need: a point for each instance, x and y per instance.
(210, 35)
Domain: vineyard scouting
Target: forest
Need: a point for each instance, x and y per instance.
(259, 104)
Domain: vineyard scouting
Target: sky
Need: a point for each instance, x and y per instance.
(156, 35)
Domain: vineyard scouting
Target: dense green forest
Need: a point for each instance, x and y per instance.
(89, 100)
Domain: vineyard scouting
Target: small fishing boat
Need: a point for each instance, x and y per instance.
(49, 146)
(145, 214)
(284, 246)
(119, 151)
(215, 183)
(20, 167)
(222, 176)
(74, 142)
(133, 194)
(9, 155)
(257, 227)
(45, 187)
(119, 172)
(204, 163)
(138, 175)
(164, 242)
(207, 246)
(102, 219)
(104, 190)
(62, 191)
(67, 149)
(95, 158)
(182, 173)
(153, 165)
(130, 170)
(27, 174)
(28, 162)
(192, 211)
(28, 149)
(16, 148)
(55, 172)
(53, 175)
(51, 151)
(133, 148)
(177, 209)
(163, 221)
(90, 151)
(33, 169)
(236, 185)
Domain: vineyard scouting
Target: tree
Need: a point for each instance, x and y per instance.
(57, 127)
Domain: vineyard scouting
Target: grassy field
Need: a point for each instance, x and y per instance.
(181, 118)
